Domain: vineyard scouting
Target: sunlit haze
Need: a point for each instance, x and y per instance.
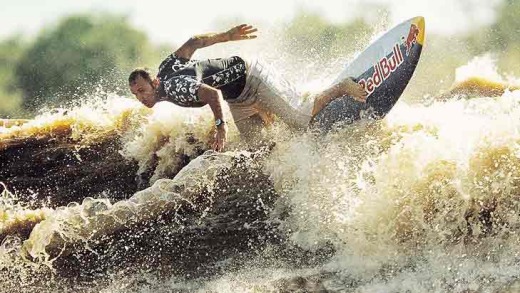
(167, 22)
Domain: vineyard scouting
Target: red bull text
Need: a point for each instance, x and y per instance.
(382, 70)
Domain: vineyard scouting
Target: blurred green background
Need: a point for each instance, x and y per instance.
(82, 52)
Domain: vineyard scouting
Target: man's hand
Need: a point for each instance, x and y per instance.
(241, 32)
(220, 138)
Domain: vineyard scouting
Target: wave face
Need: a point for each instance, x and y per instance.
(112, 197)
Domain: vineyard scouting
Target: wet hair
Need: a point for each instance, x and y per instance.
(143, 72)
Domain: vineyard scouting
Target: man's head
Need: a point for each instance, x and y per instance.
(143, 86)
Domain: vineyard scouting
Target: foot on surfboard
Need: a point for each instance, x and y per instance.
(347, 87)
(351, 88)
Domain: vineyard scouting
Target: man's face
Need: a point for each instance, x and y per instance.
(144, 90)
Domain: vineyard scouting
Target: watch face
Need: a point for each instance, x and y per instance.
(218, 122)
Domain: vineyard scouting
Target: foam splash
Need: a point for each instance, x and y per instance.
(425, 186)
(481, 66)
(480, 77)
(169, 131)
(87, 122)
(90, 221)
(415, 202)
(14, 217)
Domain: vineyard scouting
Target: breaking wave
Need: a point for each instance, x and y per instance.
(114, 197)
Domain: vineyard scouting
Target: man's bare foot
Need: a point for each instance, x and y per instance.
(349, 87)
(345, 87)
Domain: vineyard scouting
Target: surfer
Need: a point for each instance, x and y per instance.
(253, 90)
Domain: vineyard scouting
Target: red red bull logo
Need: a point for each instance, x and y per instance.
(411, 39)
(383, 69)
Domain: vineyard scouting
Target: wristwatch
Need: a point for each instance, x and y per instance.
(219, 122)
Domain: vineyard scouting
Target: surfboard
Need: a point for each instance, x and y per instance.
(384, 69)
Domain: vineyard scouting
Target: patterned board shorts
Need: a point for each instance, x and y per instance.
(267, 92)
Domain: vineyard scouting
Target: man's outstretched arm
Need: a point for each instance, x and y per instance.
(241, 32)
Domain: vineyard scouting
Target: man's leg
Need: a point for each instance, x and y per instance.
(277, 96)
(248, 120)
(278, 105)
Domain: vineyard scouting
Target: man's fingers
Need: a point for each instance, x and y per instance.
(220, 146)
(249, 33)
(247, 29)
(243, 32)
(217, 147)
(250, 30)
(219, 143)
(244, 27)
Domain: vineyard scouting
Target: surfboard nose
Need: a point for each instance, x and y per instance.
(420, 23)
